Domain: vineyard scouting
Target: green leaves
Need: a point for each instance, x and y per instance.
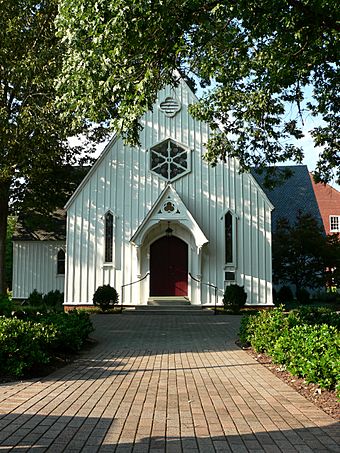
(257, 57)
(23, 344)
(26, 344)
(306, 342)
(234, 297)
(301, 253)
(311, 352)
(263, 329)
(105, 297)
(34, 130)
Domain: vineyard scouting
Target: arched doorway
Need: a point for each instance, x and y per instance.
(169, 267)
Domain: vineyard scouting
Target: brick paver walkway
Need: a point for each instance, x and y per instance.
(162, 383)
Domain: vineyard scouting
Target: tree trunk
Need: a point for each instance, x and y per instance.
(4, 201)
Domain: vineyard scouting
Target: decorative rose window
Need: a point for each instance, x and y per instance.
(169, 160)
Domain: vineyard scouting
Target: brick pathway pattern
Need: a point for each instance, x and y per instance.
(162, 383)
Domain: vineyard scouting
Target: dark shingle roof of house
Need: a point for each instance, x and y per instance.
(41, 228)
(37, 225)
(292, 196)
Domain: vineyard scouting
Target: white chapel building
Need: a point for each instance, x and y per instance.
(156, 221)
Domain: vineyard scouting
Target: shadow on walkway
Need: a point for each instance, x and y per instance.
(156, 333)
(88, 434)
(164, 384)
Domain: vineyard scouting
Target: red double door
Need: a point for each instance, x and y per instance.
(169, 267)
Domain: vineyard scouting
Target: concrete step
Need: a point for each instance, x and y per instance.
(168, 308)
(163, 311)
(168, 301)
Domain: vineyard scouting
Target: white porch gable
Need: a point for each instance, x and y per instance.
(169, 208)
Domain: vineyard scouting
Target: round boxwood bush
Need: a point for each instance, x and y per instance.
(105, 297)
(234, 297)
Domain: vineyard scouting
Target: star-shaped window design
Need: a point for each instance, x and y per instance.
(169, 160)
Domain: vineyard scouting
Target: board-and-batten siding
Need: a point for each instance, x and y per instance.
(35, 267)
(121, 183)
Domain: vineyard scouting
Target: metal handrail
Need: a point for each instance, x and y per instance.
(130, 284)
(211, 286)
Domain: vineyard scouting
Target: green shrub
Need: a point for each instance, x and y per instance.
(302, 296)
(29, 313)
(24, 345)
(54, 300)
(247, 328)
(27, 344)
(311, 352)
(6, 306)
(105, 297)
(72, 329)
(234, 297)
(264, 329)
(38, 304)
(306, 341)
(284, 295)
(35, 299)
(318, 315)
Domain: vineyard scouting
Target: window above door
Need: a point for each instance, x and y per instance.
(169, 160)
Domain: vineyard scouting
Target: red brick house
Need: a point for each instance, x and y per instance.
(328, 200)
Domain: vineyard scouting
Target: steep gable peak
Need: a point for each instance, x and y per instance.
(169, 207)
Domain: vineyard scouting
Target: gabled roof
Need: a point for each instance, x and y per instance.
(292, 196)
(41, 228)
(91, 170)
(36, 224)
(169, 207)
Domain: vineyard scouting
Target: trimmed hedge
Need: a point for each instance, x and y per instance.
(26, 344)
(72, 329)
(311, 352)
(317, 315)
(305, 341)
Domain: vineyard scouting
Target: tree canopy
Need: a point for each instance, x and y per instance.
(303, 255)
(33, 129)
(264, 65)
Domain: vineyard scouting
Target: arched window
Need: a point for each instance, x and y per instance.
(61, 262)
(229, 238)
(108, 237)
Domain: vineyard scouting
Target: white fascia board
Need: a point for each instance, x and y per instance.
(186, 218)
(259, 188)
(93, 168)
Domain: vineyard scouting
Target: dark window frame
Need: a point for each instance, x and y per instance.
(229, 238)
(61, 258)
(334, 223)
(108, 253)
